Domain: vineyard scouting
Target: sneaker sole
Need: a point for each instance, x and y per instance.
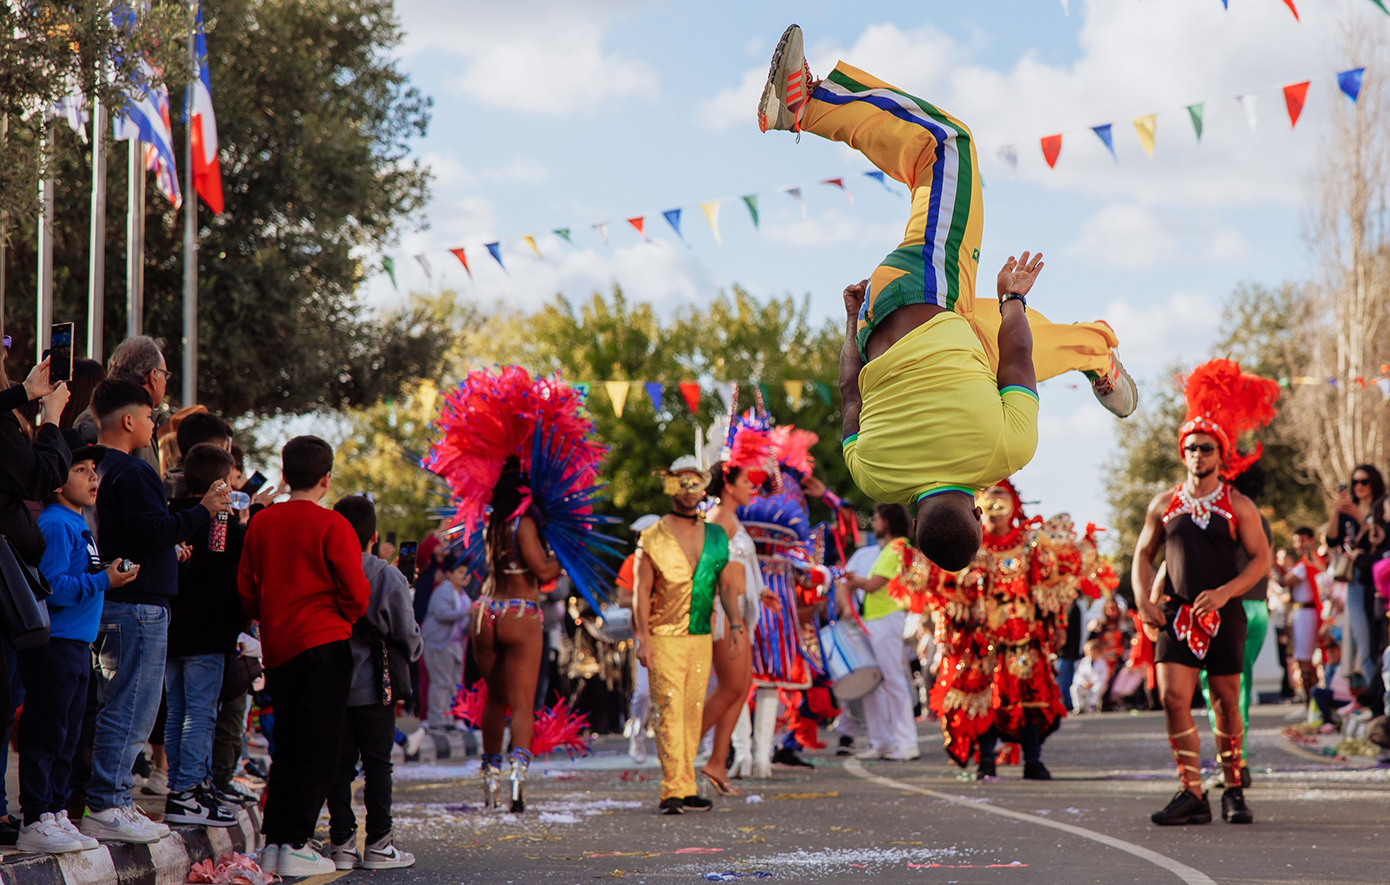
(345, 865)
(48, 849)
(771, 92)
(1206, 819)
(126, 840)
(389, 865)
(198, 821)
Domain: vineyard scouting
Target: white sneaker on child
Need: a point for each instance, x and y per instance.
(45, 836)
(296, 861)
(137, 814)
(87, 841)
(268, 859)
(384, 855)
(115, 825)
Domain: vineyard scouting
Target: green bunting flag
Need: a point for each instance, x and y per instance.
(751, 201)
(822, 391)
(1195, 112)
(564, 234)
(390, 267)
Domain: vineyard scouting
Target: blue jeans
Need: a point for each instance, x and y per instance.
(1066, 675)
(1359, 623)
(192, 685)
(130, 648)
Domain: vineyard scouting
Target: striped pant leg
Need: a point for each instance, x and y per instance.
(934, 155)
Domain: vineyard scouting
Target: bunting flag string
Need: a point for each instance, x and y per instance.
(1248, 103)
(1052, 149)
(655, 392)
(639, 224)
(601, 228)
(796, 391)
(564, 234)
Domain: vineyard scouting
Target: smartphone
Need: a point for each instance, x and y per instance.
(1342, 487)
(254, 484)
(60, 353)
(406, 562)
(390, 537)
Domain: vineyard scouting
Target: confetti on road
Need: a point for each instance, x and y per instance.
(832, 794)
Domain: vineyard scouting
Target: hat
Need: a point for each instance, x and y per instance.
(81, 449)
(642, 523)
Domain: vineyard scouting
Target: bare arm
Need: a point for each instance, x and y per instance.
(1015, 337)
(540, 561)
(644, 579)
(731, 582)
(851, 402)
(1146, 550)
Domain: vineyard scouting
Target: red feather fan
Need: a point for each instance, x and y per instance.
(1224, 402)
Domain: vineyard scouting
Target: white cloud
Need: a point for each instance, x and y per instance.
(1153, 333)
(1132, 236)
(520, 169)
(545, 57)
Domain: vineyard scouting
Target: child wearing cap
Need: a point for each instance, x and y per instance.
(56, 673)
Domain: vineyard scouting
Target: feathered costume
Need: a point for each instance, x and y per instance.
(997, 621)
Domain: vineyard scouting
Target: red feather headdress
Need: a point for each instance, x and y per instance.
(751, 451)
(793, 448)
(1224, 402)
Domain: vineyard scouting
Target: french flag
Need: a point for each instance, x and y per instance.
(145, 118)
(202, 129)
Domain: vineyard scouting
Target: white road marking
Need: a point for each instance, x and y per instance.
(1182, 871)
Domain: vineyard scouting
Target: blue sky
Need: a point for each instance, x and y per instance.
(555, 114)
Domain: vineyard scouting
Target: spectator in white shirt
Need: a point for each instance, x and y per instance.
(1092, 675)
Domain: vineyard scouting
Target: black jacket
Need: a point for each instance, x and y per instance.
(28, 472)
(206, 616)
(134, 523)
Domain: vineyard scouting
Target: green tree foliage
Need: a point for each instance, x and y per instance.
(314, 122)
(1257, 332)
(607, 338)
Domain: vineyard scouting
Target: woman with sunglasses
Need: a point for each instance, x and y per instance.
(1349, 528)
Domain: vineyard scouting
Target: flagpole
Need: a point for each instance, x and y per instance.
(4, 133)
(96, 282)
(43, 315)
(135, 241)
(190, 245)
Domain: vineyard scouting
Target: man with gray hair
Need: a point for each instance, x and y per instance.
(139, 359)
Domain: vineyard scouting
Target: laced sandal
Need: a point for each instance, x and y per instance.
(721, 788)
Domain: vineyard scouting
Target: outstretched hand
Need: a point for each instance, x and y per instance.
(1018, 275)
(854, 297)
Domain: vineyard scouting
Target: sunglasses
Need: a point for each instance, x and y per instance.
(1360, 482)
(1204, 448)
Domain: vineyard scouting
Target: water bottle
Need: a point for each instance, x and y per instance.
(240, 500)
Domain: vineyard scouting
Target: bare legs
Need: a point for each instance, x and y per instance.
(508, 651)
(722, 708)
(1177, 683)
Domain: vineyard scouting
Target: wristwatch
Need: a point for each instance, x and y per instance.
(1012, 296)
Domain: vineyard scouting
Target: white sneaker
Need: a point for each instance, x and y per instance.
(87, 841)
(1115, 390)
(46, 836)
(870, 754)
(637, 746)
(157, 784)
(297, 862)
(384, 855)
(345, 856)
(904, 756)
(413, 742)
(137, 814)
(115, 825)
(268, 859)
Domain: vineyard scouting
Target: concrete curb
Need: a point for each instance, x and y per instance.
(164, 863)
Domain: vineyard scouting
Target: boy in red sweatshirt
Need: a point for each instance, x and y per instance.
(301, 576)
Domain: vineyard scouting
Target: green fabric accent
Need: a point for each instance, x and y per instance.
(1256, 626)
(849, 439)
(713, 558)
(965, 489)
(822, 391)
(1030, 392)
(751, 201)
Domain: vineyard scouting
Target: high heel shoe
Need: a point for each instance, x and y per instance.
(722, 788)
(492, 781)
(521, 763)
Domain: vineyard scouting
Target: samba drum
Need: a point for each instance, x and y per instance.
(849, 661)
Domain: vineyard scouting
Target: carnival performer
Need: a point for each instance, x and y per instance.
(519, 457)
(682, 562)
(998, 622)
(919, 362)
(741, 468)
(1200, 527)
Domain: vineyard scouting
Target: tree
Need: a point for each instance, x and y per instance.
(314, 123)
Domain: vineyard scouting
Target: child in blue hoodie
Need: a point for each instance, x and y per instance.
(55, 675)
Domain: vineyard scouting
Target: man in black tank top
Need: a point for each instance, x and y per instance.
(1195, 615)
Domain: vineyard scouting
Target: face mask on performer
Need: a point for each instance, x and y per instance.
(685, 483)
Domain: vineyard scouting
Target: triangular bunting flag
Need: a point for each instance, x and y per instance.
(1289, 4)
(711, 210)
(822, 391)
(639, 223)
(583, 387)
(655, 391)
(1195, 111)
(564, 234)
(1294, 96)
(877, 175)
(601, 228)
(673, 218)
(531, 241)
(496, 250)
(617, 394)
(764, 394)
(463, 259)
(1381, 4)
(795, 194)
(725, 389)
(691, 391)
(1052, 148)
(1008, 155)
(1350, 82)
(389, 266)
(425, 266)
(794, 391)
(1248, 104)
(840, 183)
(1144, 128)
(751, 201)
(1105, 134)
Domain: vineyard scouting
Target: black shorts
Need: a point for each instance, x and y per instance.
(1225, 657)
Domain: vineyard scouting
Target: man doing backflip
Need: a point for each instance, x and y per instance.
(1200, 527)
(939, 401)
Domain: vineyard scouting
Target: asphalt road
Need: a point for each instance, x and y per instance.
(1316, 820)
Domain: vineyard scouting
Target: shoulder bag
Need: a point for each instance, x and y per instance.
(23, 615)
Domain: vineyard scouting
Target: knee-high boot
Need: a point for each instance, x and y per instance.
(764, 727)
(743, 745)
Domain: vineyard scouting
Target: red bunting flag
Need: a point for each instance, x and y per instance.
(840, 183)
(1289, 4)
(463, 259)
(1294, 96)
(691, 391)
(639, 222)
(1052, 148)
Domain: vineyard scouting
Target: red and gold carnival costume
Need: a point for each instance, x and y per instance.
(998, 621)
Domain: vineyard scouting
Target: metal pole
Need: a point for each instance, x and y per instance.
(4, 132)
(135, 242)
(190, 247)
(43, 315)
(96, 283)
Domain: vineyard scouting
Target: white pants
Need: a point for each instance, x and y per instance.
(1305, 633)
(641, 705)
(888, 708)
(1086, 696)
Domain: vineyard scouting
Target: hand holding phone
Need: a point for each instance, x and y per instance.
(60, 352)
(406, 559)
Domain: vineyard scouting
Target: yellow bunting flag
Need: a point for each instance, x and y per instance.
(794, 390)
(1144, 128)
(531, 241)
(711, 210)
(617, 392)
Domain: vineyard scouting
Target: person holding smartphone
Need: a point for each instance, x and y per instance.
(1348, 529)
